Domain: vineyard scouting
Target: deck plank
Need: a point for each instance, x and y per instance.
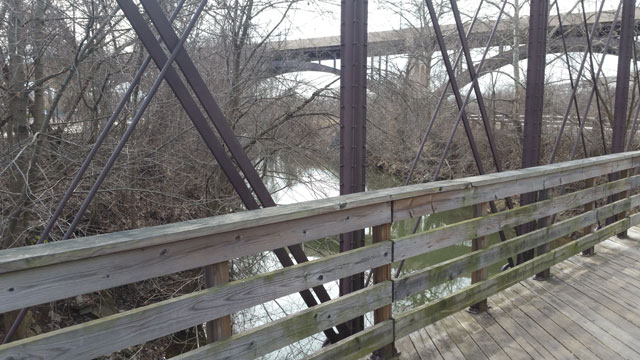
(590, 342)
(576, 348)
(465, 343)
(486, 343)
(425, 346)
(553, 348)
(502, 337)
(589, 309)
(447, 348)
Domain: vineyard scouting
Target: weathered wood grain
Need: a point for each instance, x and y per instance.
(480, 336)
(216, 275)
(588, 341)
(588, 207)
(62, 280)
(489, 187)
(232, 235)
(358, 345)
(479, 244)
(270, 337)
(381, 274)
(428, 277)
(438, 238)
(38, 274)
(410, 321)
(136, 326)
(525, 179)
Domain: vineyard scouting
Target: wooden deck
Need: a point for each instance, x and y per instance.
(589, 309)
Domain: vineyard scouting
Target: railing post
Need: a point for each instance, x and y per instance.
(544, 248)
(215, 275)
(381, 274)
(480, 274)
(588, 207)
(625, 194)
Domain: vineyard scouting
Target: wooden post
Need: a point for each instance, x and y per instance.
(381, 274)
(544, 248)
(480, 274)
(588, 207)
(214, 275)
(626, 194)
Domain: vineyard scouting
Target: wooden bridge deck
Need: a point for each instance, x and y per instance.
(589, 309)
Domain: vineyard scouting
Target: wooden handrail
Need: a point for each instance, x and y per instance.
(409, 200)
(39, 274)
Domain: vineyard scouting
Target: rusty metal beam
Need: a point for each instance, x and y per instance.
(353, 105)
(217, 118)
(534, 104)
(623, 76)
(622, 91)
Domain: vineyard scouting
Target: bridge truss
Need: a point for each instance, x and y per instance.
(212, 125)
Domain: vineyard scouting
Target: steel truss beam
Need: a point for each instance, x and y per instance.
(353, 111)
(534, 104)
(215, 115)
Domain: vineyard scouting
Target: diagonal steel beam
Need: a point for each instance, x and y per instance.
(193, 77)
(461, 105)
(476, 85)
(440, 100)
(454, 86)
(191, 108)
(575, 89)
(194, 113)
(593, 88)
(568, 61)
(216, 116)
(107, 168)
(595, 83)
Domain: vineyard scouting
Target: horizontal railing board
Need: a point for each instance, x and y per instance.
(509, 183)
(268, 218)
(434, 239)
(359, 345)
(66, 279)
(112, 333)
(279, 333)
(47, 254)
(251, 239)
(555, 168)
(437, 274)
(424, 315)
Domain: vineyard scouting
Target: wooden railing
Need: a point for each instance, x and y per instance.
(40, 274)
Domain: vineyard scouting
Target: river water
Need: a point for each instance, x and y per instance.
(318, 183)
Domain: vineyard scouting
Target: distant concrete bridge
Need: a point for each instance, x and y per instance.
(299, 55)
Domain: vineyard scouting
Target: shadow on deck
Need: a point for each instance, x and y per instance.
(589, 309)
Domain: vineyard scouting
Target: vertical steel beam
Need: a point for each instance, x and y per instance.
(353, 105)
(622, 88)
(622, 82)
(534, 100)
